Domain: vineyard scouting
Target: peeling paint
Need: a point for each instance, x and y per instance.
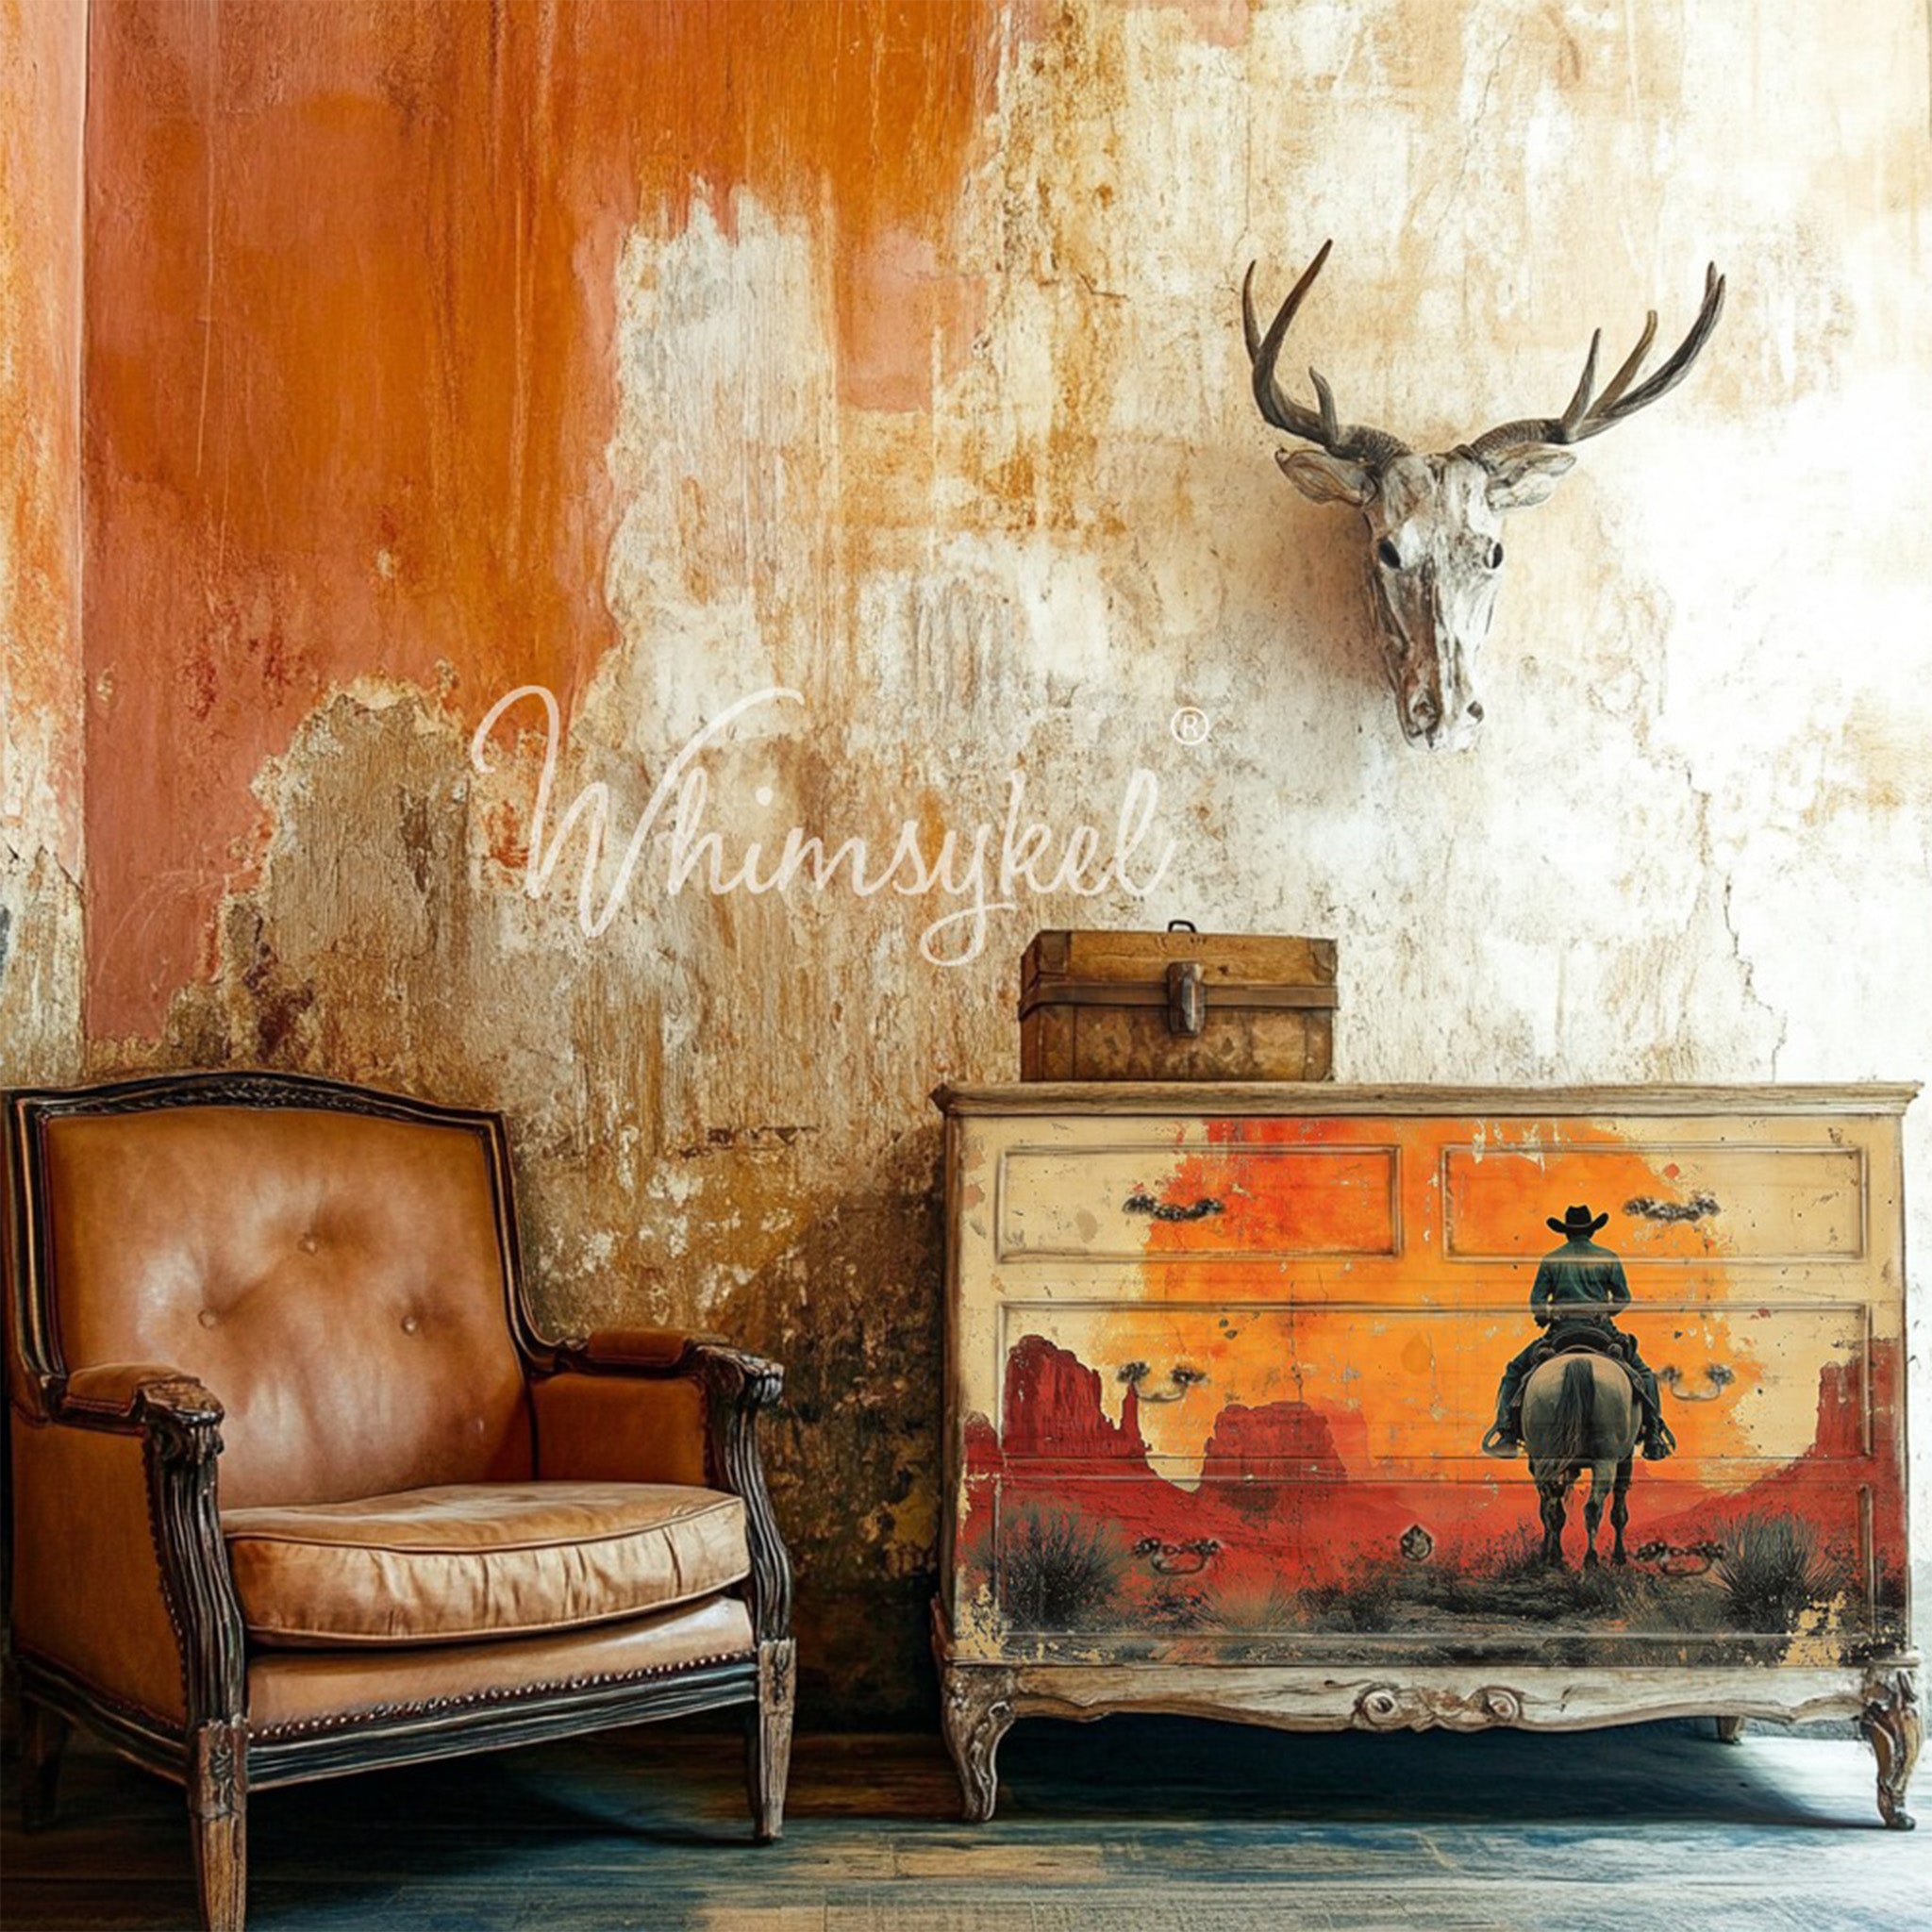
(349, 358)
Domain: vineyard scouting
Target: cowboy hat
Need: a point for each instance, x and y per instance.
(1577, 1222)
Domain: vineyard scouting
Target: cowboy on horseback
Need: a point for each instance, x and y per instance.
(1576, 1291)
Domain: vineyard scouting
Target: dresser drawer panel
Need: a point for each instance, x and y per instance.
(1231, 1387)
(1271, 1202)
(1423, 1207)
(1808, 1566)
(1737, 1384)
(1754, 1204)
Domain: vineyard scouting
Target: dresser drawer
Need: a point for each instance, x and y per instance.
(1711, 1557)
(1267, 1203)
(1753, 1207)
(1367, 1383)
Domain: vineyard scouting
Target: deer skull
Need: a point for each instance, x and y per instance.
(1434, 524)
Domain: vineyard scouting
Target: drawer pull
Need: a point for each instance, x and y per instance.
(1178, 1559)
(1680, 1559)
(1718, 1376)
(1181, 1377)
(1698, 1207)
(1167, 1210)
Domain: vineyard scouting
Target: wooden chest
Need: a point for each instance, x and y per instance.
(1220, 1360)
(1176, 1006)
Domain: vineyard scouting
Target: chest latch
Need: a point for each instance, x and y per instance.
(1186, 998)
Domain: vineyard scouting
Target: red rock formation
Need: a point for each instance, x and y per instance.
(1257, 1445)
(1053, 1409)
(982, 1446)
(1840, 1412)
(1823, 1486)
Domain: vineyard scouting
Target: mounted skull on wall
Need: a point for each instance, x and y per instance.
(1434, 524)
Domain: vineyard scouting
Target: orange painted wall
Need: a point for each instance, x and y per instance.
(43, 89)
(348, 357)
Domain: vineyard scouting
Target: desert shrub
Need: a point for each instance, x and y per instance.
(1057, 1572)
(1252, 1610)
(1770, 1571)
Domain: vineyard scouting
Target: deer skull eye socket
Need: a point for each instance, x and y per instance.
(1391, 557)
(1494, 559)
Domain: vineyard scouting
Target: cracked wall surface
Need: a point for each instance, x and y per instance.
(660, 358)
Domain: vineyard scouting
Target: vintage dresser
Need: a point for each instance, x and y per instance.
(1219, 1363)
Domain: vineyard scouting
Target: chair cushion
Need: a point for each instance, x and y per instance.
(290, 1690)
(479, 1560)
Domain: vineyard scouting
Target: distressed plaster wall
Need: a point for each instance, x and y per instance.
(889, 355)
(42, 84)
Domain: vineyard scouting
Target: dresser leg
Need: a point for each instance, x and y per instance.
(1730, 1730)
(1893, 1724)
(978, 1705)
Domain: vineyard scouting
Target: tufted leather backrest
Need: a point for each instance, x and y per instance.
(337, 1279)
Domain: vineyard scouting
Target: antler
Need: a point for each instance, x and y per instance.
(1374, 447)
(1591, 417)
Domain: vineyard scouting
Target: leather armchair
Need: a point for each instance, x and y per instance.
(297, 1488)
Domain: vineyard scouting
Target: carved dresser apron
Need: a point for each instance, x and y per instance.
(1220, 1360)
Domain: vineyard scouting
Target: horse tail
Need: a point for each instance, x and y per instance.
(1573, 1424)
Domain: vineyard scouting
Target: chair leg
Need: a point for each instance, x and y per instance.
(43, 1737)
(768, 1756)
(217, 1823)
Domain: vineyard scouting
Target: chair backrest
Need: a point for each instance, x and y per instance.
(338, 1266)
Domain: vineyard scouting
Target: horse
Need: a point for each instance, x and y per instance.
(1579, 1412)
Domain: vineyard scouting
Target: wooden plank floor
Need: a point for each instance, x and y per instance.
(1148, 1824)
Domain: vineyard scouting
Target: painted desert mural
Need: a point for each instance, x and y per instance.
(1242, 1375)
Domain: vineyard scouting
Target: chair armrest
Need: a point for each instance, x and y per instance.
(120, 1480)
(670, 1352)
(631, 1348)
(134, 1395)
(657, 1405)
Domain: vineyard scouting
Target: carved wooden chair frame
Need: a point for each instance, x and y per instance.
(214, 1755)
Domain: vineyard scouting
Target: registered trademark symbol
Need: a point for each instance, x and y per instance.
(1190, 725)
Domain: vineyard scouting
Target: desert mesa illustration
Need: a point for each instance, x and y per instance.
(1248, 1395)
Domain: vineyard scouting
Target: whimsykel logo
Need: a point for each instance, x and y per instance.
(988, 866)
